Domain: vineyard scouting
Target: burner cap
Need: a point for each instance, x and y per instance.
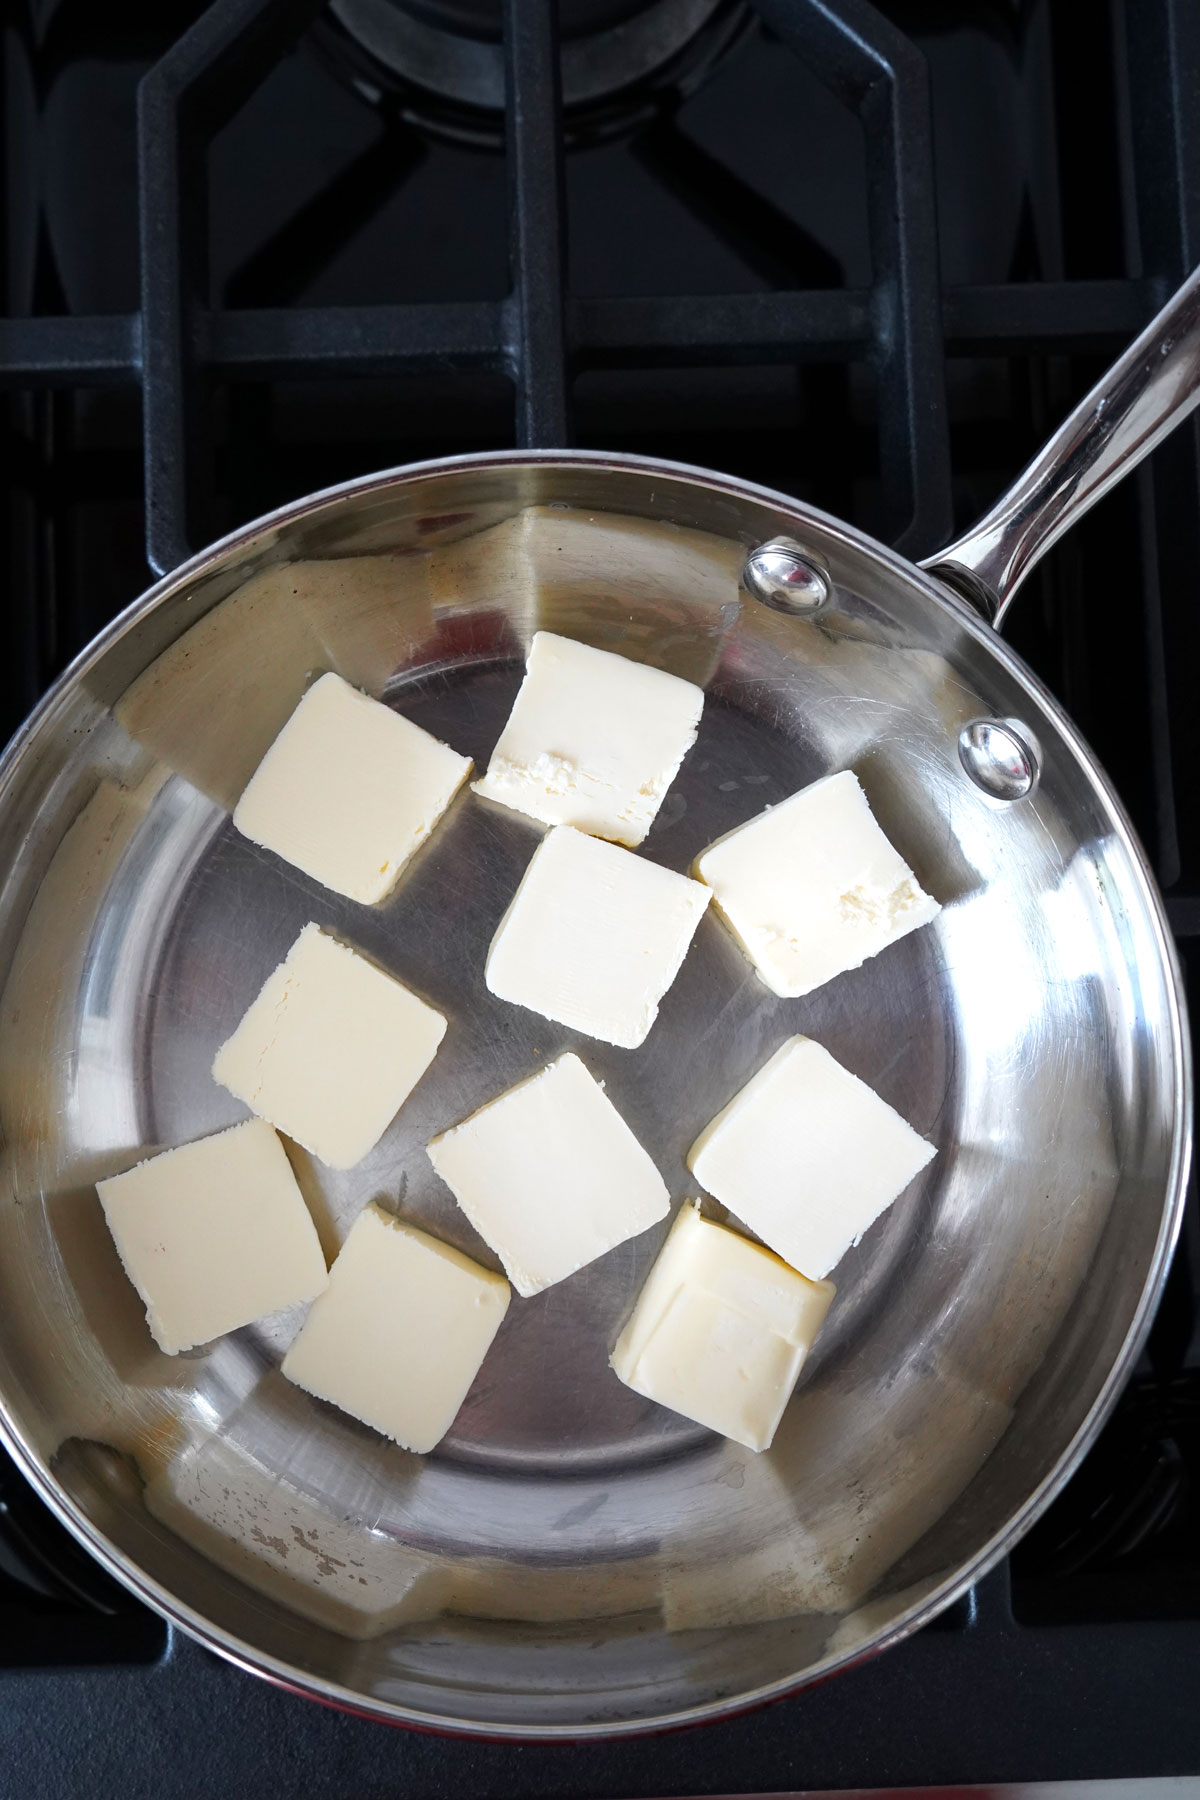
(444, 59)
(484, 18)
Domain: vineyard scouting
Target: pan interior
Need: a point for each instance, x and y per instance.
(572, 1557)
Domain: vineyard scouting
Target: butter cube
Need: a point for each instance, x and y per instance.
(808, 1156)
(594, 937)
(593, 740)
(330, 1050)
(721, 1330)
(812, 887)
(550, 1175)
(348, 790)
(398, 1336)
(213, 1235)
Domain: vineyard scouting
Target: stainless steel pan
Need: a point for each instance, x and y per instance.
(572, 1561)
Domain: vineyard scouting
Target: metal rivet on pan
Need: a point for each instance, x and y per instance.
(783, 576)
(1000, 757)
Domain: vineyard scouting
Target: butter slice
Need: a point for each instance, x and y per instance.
(812, 887)
(721, 1331)
(594, 937)
(807, 1156)
(399, 1334)
(593, 740)
(213, 1235)
(330, 1050)
(348, 790)
(550, 1175)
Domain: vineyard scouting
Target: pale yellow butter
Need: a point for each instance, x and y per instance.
(330, 1049)
(399, 1335)
(214, 1235)
(594, 937)
(550, 1175)
(721, 1330)
(349, 790)
(808, 1156)
(812, 887)
(593, 740)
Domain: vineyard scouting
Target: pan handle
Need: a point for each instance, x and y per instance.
(1145, 394)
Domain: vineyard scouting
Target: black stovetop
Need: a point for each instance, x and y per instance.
(866, 256)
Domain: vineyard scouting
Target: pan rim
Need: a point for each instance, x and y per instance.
(255, 1661)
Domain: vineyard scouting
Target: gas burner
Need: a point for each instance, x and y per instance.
(1122, 1538)
(441, 62)
(59, 1606)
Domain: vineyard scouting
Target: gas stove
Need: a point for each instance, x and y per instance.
(867, 255)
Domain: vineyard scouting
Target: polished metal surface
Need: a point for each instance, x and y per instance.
(573, 1560)
(1146, 393)
(999, 757)
(782, 576)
